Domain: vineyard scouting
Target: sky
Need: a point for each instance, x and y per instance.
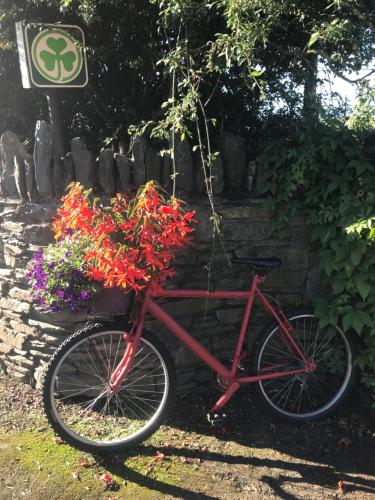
(345, 89)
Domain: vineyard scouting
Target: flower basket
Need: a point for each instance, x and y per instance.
(106, 253)
(112, 301)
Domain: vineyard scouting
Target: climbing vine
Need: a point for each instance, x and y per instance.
(324, 174)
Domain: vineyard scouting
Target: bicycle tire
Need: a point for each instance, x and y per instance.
(79, 406)
(334, 363)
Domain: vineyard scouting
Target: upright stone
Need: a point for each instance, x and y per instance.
(58, 175)
(166, 172)
(20, 177)
(251, 172)
(215, 173)
(30, 178)
(122, 164)
(232, 150)
(184, 165)
(68, 169)
(42, 158)
(262, 177)
(2, 193)
(153, 165)
(139, 166)
(84, 162)
(106, 171)
(10, 147)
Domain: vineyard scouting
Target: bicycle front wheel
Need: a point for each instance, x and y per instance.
(308, 395)
(78, 400)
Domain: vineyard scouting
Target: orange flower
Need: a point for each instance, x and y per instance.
(133, 242)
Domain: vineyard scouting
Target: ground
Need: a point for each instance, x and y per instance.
(256, 457)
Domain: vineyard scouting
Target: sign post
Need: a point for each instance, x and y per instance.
(52, 56)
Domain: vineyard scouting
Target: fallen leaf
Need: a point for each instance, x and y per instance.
(58, 440)
(106, 478)
(76, 475)
(340, 487)
(159, 456)
(149, 469)
(85, 464)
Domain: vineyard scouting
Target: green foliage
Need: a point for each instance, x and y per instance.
(237, 58)
(324, 174)
(363, 115)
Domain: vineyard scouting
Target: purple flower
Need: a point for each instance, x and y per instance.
(84, 295)
(60, 294)
(76, 274)
(68, 254)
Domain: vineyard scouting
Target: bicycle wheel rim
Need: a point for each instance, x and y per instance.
(338, 393)
(134, 434)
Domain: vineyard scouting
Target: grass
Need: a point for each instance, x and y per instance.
(258, 458)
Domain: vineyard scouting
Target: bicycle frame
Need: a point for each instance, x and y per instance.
(230, 376)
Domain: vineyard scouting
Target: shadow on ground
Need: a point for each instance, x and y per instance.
(258, 455)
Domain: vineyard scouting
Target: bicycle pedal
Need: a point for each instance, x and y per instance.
(217, 419)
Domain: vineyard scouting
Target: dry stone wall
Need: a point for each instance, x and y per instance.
(28, 337)
(43, 175)
(30, 184)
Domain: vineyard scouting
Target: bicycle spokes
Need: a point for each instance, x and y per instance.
(304, 393)
(82, 394)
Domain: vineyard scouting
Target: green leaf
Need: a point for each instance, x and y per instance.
(365, 318)
(339, 286)
(357, 324)
(356, 255)
(256, 73)
(347, 320)
(364, 288)
(313, 39)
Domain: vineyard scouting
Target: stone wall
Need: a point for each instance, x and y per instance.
(44, 174)
(27, 337)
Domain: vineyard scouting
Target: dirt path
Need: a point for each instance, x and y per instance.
(257, 458)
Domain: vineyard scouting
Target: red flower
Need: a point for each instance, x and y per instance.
(133, 241)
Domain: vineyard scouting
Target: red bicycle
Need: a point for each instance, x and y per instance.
(108, 387)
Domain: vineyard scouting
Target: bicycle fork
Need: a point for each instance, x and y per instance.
(132, 338)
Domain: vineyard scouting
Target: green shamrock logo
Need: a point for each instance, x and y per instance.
(57, 56)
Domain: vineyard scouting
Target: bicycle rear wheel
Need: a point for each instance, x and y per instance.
(309, 395)
(79, 403)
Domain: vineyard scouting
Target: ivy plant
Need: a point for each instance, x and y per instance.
(324, 174)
